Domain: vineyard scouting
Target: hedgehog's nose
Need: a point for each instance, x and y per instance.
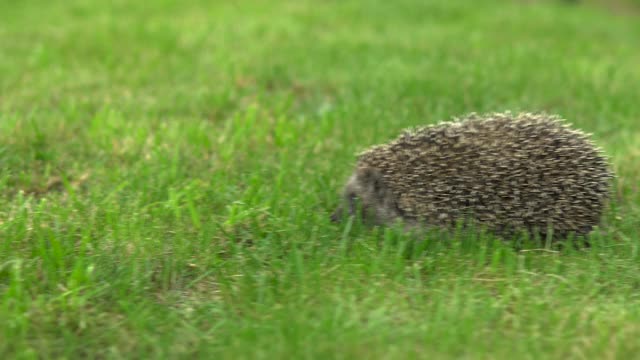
(336, 215)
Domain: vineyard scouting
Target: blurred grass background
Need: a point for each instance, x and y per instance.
(167, 169)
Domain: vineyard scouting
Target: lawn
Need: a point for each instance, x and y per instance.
(167, 171)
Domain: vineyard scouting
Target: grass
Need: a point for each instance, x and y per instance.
(167, 171)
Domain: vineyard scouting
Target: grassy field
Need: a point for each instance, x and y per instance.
(167, 171)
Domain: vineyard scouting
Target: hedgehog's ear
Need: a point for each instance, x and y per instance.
(370, 176)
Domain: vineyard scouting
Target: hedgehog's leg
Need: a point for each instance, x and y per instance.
(582, 234)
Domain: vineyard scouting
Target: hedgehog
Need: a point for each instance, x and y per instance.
(505, 172)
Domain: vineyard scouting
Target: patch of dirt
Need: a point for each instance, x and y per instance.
(56, 184)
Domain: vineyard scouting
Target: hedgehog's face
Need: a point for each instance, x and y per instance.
(366, 194)
(351, 200)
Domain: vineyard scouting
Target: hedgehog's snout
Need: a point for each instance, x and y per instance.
(351, 201)
(336, 215)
